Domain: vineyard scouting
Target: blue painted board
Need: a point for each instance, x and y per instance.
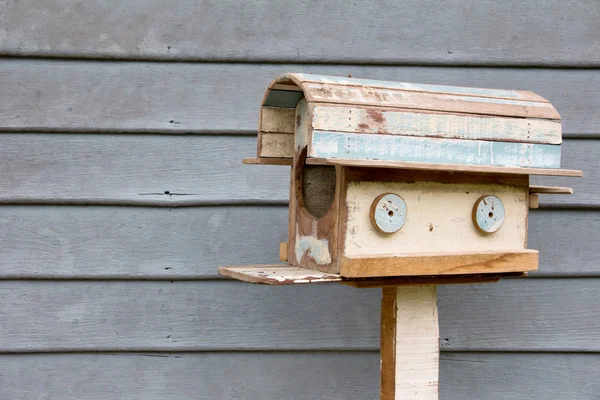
(432, 150)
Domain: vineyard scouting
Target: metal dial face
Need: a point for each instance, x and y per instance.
(488, 214)
(388, 213)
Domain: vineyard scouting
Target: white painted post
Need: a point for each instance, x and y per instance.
(409, 343)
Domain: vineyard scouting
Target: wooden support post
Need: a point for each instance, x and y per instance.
(410, 351)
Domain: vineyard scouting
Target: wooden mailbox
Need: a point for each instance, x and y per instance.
(396, 184)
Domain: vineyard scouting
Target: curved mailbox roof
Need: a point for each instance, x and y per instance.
(284, 92)
(360, 120)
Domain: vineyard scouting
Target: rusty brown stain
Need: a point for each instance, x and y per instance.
(363, 126)
(376, 115)
(298, 120)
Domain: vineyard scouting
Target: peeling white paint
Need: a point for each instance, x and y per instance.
(318, 249)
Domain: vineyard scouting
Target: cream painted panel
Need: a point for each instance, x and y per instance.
(438, 218)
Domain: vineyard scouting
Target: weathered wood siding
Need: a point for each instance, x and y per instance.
(122, 129)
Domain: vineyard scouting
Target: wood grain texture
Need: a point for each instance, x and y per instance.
(266, 376)
(135, 169)
(78, 242)
(276, 145)
(438, 264)
(550, 189)
(278, 274)
(277, 120)
(90, 96)
(426, 280)
(136, 242)
(356, 146)
(409, 343)
(410, 123)
(329, 81)
(551, 33)
(268, 161)
(427, 166)
(314, 205)
(529, 315)
(379, 96)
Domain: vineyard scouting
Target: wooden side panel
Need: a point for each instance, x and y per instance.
(438, 218)
(346, 118)
(280, 120)
(312, 238)
(356, 146)
(276, 132)
(276, 145)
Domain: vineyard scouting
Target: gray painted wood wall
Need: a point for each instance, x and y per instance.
(122, 128)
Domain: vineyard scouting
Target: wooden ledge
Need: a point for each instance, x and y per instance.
(278, 274)
(285, 274)
(484, 169)
(550, 190)
(460, 263)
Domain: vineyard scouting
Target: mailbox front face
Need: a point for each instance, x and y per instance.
(438, 218)
(432, 224)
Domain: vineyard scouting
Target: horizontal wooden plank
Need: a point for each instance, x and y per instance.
(187, 170)
(276, 145)
(78, 242)
(458, 263)
(268, 376)
(136, 242)
(534, 189)
(514, 314)
(134, 169)
(357, 146)
(410, 123)
(329, 81)
(277, 120)
(63, 95)
(489, 376)
(374, 96)
(550, 33)
(268, 161)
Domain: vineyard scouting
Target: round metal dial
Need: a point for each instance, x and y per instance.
(488, 214)
(388, 213)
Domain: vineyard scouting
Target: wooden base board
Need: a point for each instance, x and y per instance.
(285, 274)
(372, 266)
